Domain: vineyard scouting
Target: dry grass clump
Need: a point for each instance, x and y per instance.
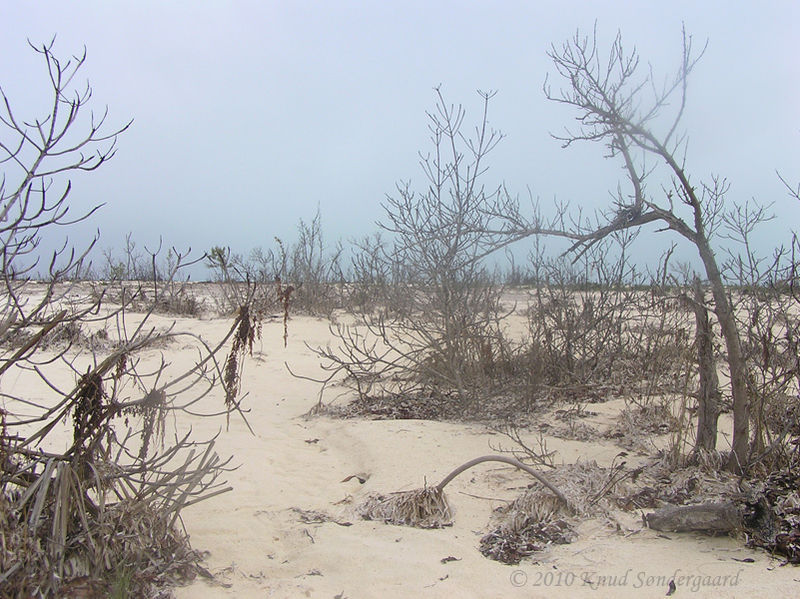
(637, 425)
(536, 519)
(422, 508)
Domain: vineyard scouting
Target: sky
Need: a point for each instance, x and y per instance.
(248, 116)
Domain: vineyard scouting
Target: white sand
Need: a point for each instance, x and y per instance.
(260, 547)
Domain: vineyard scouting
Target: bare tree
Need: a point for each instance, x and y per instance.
(82, 511)
(437, 320)
(639, 119)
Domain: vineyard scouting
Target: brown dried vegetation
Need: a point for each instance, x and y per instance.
(104, 513)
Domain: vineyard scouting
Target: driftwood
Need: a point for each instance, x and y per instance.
(709, 517)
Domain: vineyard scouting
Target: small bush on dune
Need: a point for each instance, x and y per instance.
(102, 516)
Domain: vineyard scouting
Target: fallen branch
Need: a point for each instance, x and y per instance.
(506, 460)
(428, 507)
(709, 517)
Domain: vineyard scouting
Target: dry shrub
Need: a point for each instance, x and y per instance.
(108, 507)
(421, 508)
(66, 334)
(770, 322)
(636, 425)
(536, 519)
(428, 295)
(588, 339)
(315, 270)
(306, 266)
(100, 516)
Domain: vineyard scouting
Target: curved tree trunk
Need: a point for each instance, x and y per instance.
(736, 365)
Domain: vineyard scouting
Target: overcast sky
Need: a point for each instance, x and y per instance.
(249, 115)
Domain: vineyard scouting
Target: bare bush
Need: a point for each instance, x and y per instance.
(315, 272)
(158, 285)
(102, 498)
(766, 306)
(436, 320)
(598, 327)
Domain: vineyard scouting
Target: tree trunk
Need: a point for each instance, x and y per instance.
(736, 365)
(709, 517)
(708, 393)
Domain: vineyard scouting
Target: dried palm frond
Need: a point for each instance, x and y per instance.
(421, 508)
(428, 507)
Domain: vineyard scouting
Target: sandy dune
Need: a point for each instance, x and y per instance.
(263, 540)
(266, 538)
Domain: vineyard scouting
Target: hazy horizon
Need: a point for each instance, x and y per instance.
(248, 116)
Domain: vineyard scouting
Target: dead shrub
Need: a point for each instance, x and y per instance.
(102, 515)
(636, 426)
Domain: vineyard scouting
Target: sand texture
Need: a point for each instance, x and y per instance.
(289, 528)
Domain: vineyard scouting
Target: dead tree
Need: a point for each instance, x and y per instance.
(82, 510)
(611, 98)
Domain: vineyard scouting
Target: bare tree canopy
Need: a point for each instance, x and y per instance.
(638, 118)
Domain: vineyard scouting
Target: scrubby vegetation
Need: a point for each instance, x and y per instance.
(423, 325)
(432, 341)
(95, 512)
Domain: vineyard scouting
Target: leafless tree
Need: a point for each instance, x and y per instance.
(639, 120)
(82, 510)
(437, 321)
